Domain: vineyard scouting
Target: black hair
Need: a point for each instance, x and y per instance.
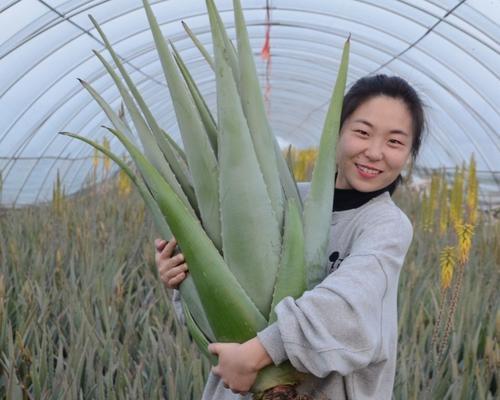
(396, 87)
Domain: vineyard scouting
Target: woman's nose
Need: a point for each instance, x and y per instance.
(374, 150)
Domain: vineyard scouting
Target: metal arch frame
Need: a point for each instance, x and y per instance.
(286, 9)
(63, 44)
(87, 59)
(377, 29)
(114, 100)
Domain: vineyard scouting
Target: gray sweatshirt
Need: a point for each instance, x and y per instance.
(343, 332)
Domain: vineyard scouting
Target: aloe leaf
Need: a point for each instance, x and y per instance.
(318, 204)
(291, 278)
(190, 296)
(250, 231)
(187, 288)
(271, 376)
(289, 159)
(205, 114)
(199, 45)
(255, 112)
(156, 214)
(216, 285)
(178, 165)
(179, 152)
(154, 152)
(232, 57)
(199, 338)
(117, 122)
(286, 176)
(180, 170)
(201, 159)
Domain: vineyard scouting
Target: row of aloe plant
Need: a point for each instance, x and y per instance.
(82, 311)
(230, 174)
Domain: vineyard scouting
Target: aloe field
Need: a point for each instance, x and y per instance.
(84, 315)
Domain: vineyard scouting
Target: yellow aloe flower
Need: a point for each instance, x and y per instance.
(443, 209)
(457, 197)
(472, 192)
(447, 261)
(464, 235)
(124, 184)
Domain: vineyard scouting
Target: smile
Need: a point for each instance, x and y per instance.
(367, 171)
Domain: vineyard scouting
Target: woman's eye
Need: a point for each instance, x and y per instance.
(361, 132)
(394, 141)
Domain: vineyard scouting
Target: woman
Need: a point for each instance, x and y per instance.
(343, 332)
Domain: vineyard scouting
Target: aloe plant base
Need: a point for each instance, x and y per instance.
(282, 392)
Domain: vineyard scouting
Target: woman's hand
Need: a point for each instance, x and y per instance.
(172, 269)
(239, 363)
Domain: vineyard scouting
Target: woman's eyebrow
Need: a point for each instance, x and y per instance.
(363, 121)
(397, 131)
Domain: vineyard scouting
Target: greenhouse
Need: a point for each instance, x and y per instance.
(230, 124)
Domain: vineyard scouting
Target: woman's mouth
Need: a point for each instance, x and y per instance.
(367, 172)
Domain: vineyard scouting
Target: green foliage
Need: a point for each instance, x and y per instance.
(83, 313)
(468, 368)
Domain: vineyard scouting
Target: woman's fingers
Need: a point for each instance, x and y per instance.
(174, 276)
(176, 281)
(173, 272)
(168, 250)
(160, 244)
(172, 269)
(169, 263)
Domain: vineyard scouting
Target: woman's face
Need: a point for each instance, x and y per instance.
(374, 144)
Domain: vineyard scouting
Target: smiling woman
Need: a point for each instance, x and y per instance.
(342, 332)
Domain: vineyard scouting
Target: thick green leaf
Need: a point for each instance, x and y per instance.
(179, 169)
(291, 279)
(232, 57)
(158, 219)
(199, 45)
(271, 376)
(179, 152)
(255, 112)
(205, 114)
(318, 205)
(150, 146)
(201, 158)
(287, 179)
(216, 285)
(250, 232)
(192, 299)
(188, 290)
(198, 336)
(289, 159)
(117, 122)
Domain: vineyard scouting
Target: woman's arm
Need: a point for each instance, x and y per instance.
(337, 326)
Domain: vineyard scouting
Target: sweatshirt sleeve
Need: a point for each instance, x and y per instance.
(176, 301)
(337, 326)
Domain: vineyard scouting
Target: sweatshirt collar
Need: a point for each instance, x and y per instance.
(347, 199)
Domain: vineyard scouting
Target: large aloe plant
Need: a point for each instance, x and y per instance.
(228, 197)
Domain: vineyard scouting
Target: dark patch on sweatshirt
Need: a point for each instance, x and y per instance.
(335, 260)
